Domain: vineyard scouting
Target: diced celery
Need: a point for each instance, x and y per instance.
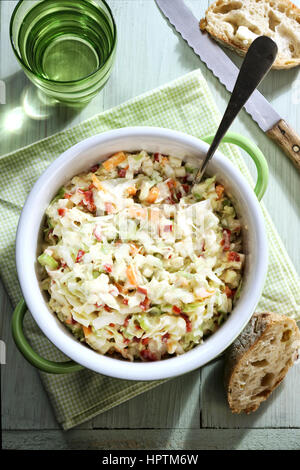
(226, 202)
(198, 196)
(166, 308)
(144, 323)
(229, 210)
(47, 260)
(175, 162)
(186, 275)
(49, 224)
(224, 222)
(105, 249)
(45, 283)
(189, 308)
(60, 194)
(154, 311)
(76, 330)
(221, 318)
(238, 291)
(189, 169)
(140, 155)
(209, 181)
(127, 335)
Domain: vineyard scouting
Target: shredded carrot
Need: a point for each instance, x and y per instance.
(110, 207)
(119, 287)
(134, 249)
(153, 195)
(69, 321)
(154, 215)
(136, 212)
(219, 190)
(131, 190)
(171, 184)
(170, 346)
(113, 161)
(131, 275)
(97, 183)
(164, 160)
(203, 294)
(86, 330)
(230, 292)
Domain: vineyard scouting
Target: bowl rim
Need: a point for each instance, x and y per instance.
(87, 357)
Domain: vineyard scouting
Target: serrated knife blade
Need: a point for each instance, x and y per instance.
(187, 25)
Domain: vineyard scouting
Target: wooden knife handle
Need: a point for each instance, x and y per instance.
(288, 140)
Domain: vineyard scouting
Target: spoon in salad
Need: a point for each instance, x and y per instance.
(258, 61)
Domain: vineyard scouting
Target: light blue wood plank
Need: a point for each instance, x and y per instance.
(24, 402)
(184, 439)
(175, 404)
(150, 54)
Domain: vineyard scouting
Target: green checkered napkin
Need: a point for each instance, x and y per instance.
(185, 104)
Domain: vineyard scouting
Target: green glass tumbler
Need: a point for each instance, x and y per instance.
(66, 47)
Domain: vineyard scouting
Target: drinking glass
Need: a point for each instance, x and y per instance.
(66, 47)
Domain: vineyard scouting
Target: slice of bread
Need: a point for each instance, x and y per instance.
(259, 359)
(236, 23)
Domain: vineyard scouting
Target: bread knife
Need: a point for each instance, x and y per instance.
(187, 25)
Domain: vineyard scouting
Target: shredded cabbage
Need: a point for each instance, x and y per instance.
(138, 261)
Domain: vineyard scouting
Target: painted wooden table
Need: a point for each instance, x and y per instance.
(189, 412)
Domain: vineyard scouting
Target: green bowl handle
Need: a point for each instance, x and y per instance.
(27, 351)
(256, 155)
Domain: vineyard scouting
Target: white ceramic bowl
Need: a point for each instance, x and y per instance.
(81, 157)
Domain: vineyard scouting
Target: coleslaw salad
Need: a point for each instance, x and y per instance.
(139, 262)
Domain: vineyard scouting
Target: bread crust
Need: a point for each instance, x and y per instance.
(241, 354)
(214, 26)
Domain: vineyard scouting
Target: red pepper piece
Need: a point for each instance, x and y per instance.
(230, 292)
(108, 268)
(176, 310)
(88, 199)
(141, 290)
(233, 256)
(226, 239)
(165, 337)
(145, 304)
(61, 212)
(94, 168)
(80, 254)
(136, 339)
(148, 355)
(122, 172)
(187, 321)
(109, 207)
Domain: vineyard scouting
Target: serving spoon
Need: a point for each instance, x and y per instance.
(258, 61)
